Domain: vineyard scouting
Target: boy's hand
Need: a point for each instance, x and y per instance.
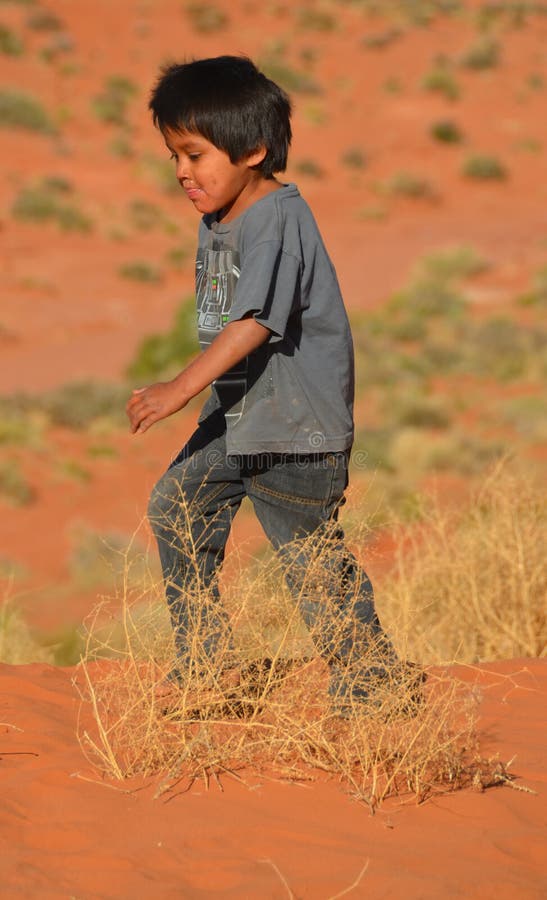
(150, 404)
(235, 341)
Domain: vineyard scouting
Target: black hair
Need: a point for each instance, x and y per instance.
(231, 103)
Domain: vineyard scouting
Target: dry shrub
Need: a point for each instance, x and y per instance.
(261, 705)
(470, 584)
(18, 645)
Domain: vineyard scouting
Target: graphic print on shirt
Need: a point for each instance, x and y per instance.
(217, 272)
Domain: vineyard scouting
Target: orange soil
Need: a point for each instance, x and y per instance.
(66, 314)
(66, 832)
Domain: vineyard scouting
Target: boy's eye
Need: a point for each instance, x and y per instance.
(194, 156)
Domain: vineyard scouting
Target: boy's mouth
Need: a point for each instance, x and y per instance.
(193, 192)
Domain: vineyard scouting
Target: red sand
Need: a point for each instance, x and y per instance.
(66, 314)
(64, 832)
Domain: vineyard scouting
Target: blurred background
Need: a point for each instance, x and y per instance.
(419, 142)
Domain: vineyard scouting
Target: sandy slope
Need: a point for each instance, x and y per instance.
(65, 833)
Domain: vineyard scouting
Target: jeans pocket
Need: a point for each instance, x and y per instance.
(317, 480)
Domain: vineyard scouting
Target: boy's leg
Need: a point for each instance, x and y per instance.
(295, 497)
(191, 511)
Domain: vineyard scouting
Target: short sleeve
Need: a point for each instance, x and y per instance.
(268, 287)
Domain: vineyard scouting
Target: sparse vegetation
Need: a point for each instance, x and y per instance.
(308, 167)
(380, 39)
(21, 110)
(275, 713)
(141, 270)
(10, 42)
(44, 20)
(47, 201)
(162, 173)
(409, 184)
(14, 485)
(17, 643)
(111, 105)
(354, 158)
(74, 405)
(309, 18)
(474, 579)
(442, 80)
(482, 55)
(161, 354)
(206, 17)
(146, 216)
(178, 257)
(106, 560)
(121, 147)
(484, 168)
(446, 131)
(293, 80)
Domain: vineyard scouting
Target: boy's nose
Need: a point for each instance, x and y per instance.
(181, 172)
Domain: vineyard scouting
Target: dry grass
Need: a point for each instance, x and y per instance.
(463, 582)
(471, 584)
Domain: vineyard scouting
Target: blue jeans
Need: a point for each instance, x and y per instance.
(191, 511)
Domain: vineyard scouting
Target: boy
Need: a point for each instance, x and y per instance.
(277, 350)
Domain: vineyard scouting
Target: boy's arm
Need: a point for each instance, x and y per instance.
(157, 401)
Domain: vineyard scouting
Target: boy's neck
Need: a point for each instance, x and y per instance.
(254, 192)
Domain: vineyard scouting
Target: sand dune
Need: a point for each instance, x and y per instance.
(64, 832)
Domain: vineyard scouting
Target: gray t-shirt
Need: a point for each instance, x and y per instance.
(294, 394)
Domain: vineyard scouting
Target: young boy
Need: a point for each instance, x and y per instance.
(277, 350)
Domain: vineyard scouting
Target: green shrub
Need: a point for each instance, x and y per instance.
(428, 296)
(441, 80)
(499, 348)
(452, 263)
(408, 184)
(312, 19)
(18, 427)
(380, 39)
(482, 55)
(293, 80)
(160, 354)
(527, 415)
(177, 257)
(46, 201)
(353, 158)
(308, 167)
(418, 412)
(140, 270)
(205, 17)
(59, 43)
(10, 43)
(145, 216)
(44, 20)
(111, 104)
(446, 131)
(121, 147)
(535, 81)
(540, 286)
(77, 404)
(14, 486)
(392, 85)
(21, 110)
(162, 172)
(484, 168)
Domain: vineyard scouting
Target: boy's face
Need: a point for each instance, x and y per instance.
(210, 180)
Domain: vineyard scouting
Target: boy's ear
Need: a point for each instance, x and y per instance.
(256, 157)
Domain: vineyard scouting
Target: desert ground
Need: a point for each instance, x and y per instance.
(419, 143)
